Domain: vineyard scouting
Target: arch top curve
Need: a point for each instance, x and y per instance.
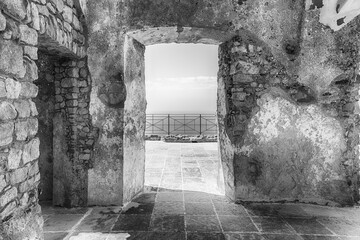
(175, 34)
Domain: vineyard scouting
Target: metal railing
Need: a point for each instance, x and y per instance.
(186, 124)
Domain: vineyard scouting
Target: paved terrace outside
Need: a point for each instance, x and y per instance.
(182, 202)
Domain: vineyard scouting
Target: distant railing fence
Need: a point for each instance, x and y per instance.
(185, 124)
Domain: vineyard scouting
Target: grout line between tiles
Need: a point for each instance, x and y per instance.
(72, 230)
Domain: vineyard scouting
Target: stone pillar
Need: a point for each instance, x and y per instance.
(135, 119)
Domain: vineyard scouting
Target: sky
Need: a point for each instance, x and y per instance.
(181, 78)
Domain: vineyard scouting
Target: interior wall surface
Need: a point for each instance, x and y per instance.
(282, 55)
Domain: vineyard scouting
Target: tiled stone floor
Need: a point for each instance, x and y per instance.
(171, 209)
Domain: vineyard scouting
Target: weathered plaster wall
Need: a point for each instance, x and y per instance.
(45, 102)
(135, 119)
(280, 45)
(286, 140)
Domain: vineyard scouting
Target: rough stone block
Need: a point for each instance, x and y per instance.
(33, 108)
(24, 199)
(2, 22)
(34, 169)
(68, 14)
(59, 4)
(69, 82)
(26, 128)
(8, 196)
(3, 183)
(35, 17)
(28, 90)
(2, 89)
(31, 71)
(242, 78)
(15, 7)
(13, 88)
(43, 10)
(76, 23)
(8, 210)
(31, 150)
(51, 8)
(19, 175)
(6, 136)
(42, 25)
(14, 157)
(83, 72)
(11, 58)
(7, 111)
(23, 108)
(31, 52)
(73, 72)
(28, 35)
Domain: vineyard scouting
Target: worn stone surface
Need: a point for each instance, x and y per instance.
(286, 140)
(135, 120)
(7, 130)
(31, 151)
(7, 111)
(11, 58)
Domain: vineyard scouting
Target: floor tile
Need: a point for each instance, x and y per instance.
(318, 237)
(138, 235)
(246, 236)
(202, 224)
(341, 226)
(49, 210)
(191, 172)
(237, 224)
(307, 226)
(197, 197)
(61, 222)
(55, 236)
(145, 198)
(170, 208)
(97, 223)
(107, 210)
(225, 208)
(138, 222)
(167, 223)
(138, 208)
(205, 236)
(199, 208)
(166, 236)
(281, 237)
(272, 225)
(285, 210)
(169, 197)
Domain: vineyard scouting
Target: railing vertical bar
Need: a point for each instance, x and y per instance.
(168, 124)
(200, 124)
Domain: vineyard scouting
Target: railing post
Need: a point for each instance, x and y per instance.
(168, 124)
(200, 124)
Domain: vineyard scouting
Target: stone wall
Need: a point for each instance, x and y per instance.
(26, 26)
(283, 63)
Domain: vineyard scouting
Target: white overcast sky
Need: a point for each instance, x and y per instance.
(181, 78)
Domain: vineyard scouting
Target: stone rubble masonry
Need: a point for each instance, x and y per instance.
(26, 26)
(72, 97)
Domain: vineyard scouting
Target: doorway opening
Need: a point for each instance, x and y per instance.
(181, 124)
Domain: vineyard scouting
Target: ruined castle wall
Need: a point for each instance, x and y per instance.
(25, 27)
(287, 93)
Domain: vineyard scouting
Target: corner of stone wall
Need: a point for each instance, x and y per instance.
(20, 213)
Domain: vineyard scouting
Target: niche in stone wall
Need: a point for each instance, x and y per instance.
(45, 102)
